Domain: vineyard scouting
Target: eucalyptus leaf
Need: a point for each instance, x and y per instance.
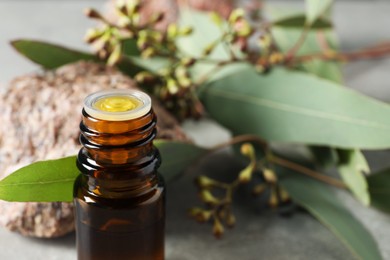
(299, 21)
(352, 171)
(290, 106)
(49, 181)
(176, 157)
(205, 32)
(316, 41)
(324, 205)
(50, 56)
(129, 47)
(45, 181)
(153, 65)
(379, 187)
(315, 9)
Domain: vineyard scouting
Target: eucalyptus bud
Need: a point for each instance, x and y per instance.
(273, 198)
(242, 28)
(115, 55)
(245, 175)
(230, 220)
(142, 41)
(92, 13)
(157, 36)
(133, 7)
(276, 58)
(265, 41)
(121, 7)
(144, 77)
(135, 19)
(92, 35)
(283, 194)
(184, 82)
(247, 150)
(187, 30)
(270, 176)
(102, 42)
(204, 182)
(218, 229)
(148, 52)
(216, 18)
(172, 86)
(124, 21)
(182, 76)
(235, 15)
(172, 30)
(207, 197)
(187, 61)
(200, 215)
(165, 72)
(209, 49)
(157, 17)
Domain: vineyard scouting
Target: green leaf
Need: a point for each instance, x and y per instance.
(290, 106)
(45, 181)
(130, 48)
(49, 56)
(315, 9)
(52, 180)
(352, 171)
(176, 157)
(153, 65)
(298, 21)
(205, 32)
(323, 204)
(379, 187)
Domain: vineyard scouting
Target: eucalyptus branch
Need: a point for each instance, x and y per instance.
(203, 78)
(306, 171)
(291, 53)
(282, 162)
(242, 139)
(367, 53)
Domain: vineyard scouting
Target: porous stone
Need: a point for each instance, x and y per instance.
(40, 121)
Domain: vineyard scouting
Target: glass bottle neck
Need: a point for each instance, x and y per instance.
(118, 157)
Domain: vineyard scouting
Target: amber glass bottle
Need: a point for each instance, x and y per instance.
(119, 197)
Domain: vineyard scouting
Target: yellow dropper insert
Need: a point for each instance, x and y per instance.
(117, 105)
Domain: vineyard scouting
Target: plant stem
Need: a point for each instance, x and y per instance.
(207, 75)
(374, 52)
(282, 162)
(301, 169)
(291, 53)
(242, 139)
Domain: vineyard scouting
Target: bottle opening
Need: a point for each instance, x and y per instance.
(117, 105)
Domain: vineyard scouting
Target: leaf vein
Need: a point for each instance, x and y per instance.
(295, 109)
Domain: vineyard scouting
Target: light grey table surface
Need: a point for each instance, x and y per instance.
(258, 235)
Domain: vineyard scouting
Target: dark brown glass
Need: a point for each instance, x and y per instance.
(119, 196)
